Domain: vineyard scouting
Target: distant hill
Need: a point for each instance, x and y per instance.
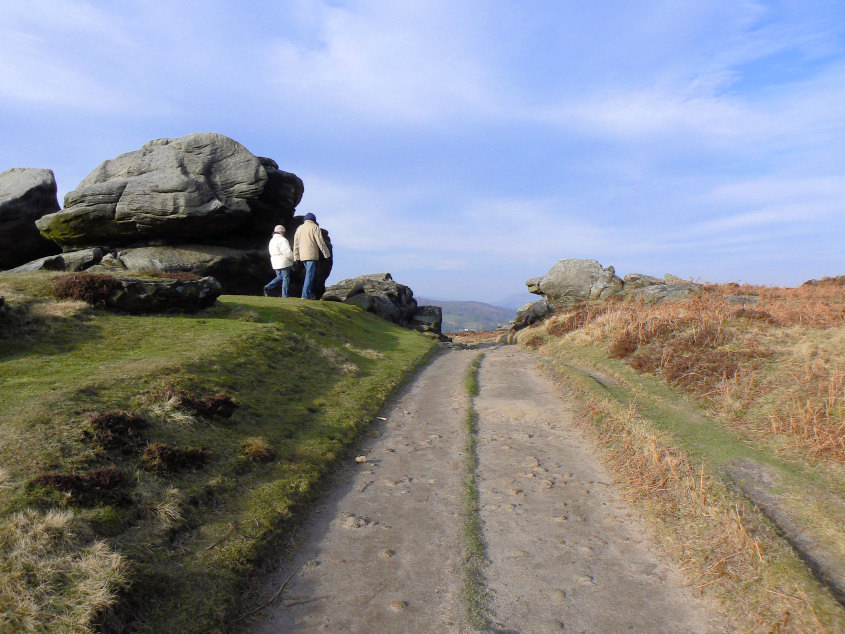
(459, 316)
(517, 300)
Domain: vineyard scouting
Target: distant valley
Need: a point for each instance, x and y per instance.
(458, 316)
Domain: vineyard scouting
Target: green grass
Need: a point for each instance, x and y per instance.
(308, 376)
(475, 591)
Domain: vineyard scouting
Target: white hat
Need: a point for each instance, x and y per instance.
(279, 229)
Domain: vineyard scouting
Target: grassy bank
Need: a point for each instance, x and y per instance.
(677, 394)
(128, 497)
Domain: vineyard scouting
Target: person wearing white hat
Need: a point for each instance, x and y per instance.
(281, 259)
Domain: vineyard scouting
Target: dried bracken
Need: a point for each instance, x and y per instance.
(117, 430)
(164, 459)
(722, 344)
(103, 485)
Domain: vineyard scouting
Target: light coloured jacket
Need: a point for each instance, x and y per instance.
(281, 256)
(308, 242)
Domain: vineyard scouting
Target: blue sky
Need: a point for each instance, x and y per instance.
(465, 146)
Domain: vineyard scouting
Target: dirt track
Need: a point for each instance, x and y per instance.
(382, 551)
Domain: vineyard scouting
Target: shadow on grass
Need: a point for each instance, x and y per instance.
(23, 334)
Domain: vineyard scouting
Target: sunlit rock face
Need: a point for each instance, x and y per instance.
(201, 203)
(26, 194)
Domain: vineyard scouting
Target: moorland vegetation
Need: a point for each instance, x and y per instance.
(680, 393)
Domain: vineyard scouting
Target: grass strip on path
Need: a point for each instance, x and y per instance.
(475, 590)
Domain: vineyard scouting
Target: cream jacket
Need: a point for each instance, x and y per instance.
(281, 256)
(308, 242)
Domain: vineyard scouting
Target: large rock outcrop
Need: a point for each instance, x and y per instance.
(202, 187)
(201, 203)
(379, 294)
(25, 196)
(571, 281)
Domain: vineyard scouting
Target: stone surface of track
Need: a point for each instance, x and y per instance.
(382, 550)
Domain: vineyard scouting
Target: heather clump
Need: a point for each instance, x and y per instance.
(92, 288)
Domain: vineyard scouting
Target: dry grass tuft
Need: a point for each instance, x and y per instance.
(257, 449)
(53, 575)
(173, 403)
(58, 310)
(367, 353)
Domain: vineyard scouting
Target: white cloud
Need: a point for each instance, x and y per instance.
(398, 62)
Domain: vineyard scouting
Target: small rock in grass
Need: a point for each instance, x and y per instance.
(557, 593)
(361, 459)
(387, 553)
(398, 606)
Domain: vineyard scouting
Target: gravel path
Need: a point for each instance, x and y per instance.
(566, 553)
(382, 550)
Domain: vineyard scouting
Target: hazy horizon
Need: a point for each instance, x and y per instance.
(466, 146)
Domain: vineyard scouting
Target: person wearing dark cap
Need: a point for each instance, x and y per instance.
(281, 259)
(308, 244)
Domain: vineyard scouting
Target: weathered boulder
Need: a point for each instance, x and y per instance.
(201, 204)
(161, 295)
(573, 280)
(70, 261)
(674, 280)
(25, 196)
(531, 313)
(657, 293)
(427, 319)
(379, 294)
(238, 270)
(639, 280)
(202, 187)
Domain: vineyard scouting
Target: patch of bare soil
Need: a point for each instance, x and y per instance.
(382, 551)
